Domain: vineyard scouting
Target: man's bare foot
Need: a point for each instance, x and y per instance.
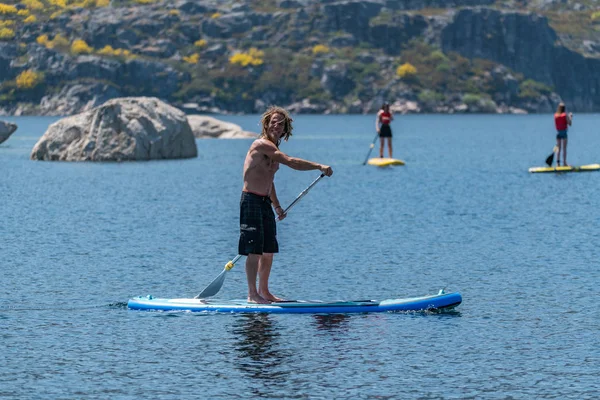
(257, 300)
(271, 297)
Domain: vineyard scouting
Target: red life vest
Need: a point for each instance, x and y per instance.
(385, 118)
(560, 120)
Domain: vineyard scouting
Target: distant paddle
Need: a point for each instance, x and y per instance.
(371, 148)
(214, 287)
(550, 158)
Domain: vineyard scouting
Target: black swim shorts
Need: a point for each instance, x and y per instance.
(385, 131)
(258, 232)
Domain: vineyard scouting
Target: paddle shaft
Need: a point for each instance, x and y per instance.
(371, 148)
(301, 195)
(214, 287)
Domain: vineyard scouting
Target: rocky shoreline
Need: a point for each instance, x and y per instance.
(319, 57)
(127, 129)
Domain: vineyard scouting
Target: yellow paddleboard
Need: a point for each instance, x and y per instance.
(384, 162)
(582, 168)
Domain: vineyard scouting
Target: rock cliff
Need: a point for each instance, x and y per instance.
(313, 56)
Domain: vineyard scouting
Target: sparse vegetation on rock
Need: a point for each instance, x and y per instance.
(343, 57)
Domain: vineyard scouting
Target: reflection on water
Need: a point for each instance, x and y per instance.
(332, 322)
(259, 347)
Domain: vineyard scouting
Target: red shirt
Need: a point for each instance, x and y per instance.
(385, 118)
(560, 120)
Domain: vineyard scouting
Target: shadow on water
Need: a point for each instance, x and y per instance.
(340, 322)
(258, 344)
(331, 322)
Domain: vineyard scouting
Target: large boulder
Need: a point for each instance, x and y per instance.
(205, 127)
(122, 129)
(6, 129)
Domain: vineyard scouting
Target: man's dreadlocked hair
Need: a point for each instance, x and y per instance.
(266, 119)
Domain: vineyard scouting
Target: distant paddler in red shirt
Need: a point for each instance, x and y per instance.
(562, 120)
(382, 125)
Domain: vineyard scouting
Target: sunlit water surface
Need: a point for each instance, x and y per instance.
(80, 239)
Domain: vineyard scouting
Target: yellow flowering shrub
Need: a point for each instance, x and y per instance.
(320, 49)
(6, 34)
(193, 59)
(216, 15)
(23, 13)
(58, 41)
(28, 79)
(109, 51)
(30, 19)
(144, 1)
(174, 12)
(6, 9)
(106, 50)
(252, 57)
(7, 23)
(123, 53)
(58, 3)
(406, 70)
(83, 4)
(33, 4)
(43, 40)
(102, 3)
(80, 47)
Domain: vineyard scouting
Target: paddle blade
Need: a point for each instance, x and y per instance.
(550, 158)
(214, 287)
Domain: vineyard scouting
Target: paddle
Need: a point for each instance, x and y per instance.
(371, 148)
(550, 158)
(214, 287)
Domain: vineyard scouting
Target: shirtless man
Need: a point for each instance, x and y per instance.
(258, 233)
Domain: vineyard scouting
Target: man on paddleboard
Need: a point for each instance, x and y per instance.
(258, 232)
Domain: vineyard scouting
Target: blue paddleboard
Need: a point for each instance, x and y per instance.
(440, 301)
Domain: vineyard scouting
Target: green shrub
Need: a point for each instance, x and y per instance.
(430, 97)
(532, 89)
(471, 99)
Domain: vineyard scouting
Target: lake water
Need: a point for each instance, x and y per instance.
(80, 239)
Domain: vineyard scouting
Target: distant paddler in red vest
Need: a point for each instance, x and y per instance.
(382, 125)
(562, 120)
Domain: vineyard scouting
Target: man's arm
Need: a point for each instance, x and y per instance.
(271, 151)
(276, 204)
